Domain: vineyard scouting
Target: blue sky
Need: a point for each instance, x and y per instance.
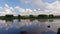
(14, 3)
(49, 1)
(24, 5)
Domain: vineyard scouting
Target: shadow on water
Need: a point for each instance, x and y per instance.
(23, 32)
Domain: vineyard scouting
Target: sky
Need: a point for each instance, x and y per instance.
(29, 7)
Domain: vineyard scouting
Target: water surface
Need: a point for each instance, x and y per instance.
(40, 26)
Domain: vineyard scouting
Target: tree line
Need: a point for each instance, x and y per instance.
(41, 16)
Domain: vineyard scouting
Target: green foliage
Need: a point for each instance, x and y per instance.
(19, 16)
(51, 16)
(42, 16)
(57, 17)
(31, 16)
(10, 17)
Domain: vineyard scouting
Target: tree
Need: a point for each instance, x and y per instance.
(9, 16)
(19, 16)
(31, 16)
(51, 16)
(42, 16)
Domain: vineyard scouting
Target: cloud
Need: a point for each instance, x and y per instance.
(2, 13)
(30, 11)
(50, 8)
(54, 8)
(6, 10)
(20, 9)
(23, 11)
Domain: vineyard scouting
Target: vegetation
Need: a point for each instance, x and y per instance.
(41, 16)
(51, 16)
(19, 16)
(9, 17)
(31, 17)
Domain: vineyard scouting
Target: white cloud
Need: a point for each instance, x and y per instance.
(50, 8)
(6, 10)
(2, 13)
(30, 11)
(54, 8)
(23, 11)
(20, 9)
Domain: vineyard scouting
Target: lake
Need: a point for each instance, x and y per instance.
(40, 26)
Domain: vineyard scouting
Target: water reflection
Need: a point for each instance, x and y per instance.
(42, 20)
(49, 32)
(32, 26)
(19, 20)
(51, 20)
(9, 24)
(31, 20)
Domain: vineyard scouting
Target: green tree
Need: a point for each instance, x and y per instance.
(19, 16)
(31, 16)
(9, 16)
(51, 16)
(42, 16)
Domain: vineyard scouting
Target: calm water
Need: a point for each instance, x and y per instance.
(31, 26)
